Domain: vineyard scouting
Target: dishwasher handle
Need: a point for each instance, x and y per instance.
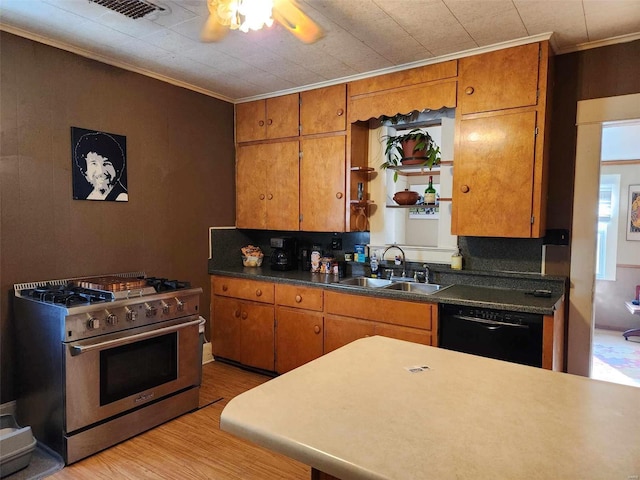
(490, 324)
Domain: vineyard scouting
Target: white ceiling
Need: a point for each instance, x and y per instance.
(361, 36)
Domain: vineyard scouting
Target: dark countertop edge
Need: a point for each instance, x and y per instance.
(323, 280)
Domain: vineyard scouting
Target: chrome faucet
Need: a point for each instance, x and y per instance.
(404, 273)
(426, 273)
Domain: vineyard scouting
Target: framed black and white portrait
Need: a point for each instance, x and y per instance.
(99, 164)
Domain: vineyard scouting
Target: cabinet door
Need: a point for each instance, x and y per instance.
(322, 184)
(283, 119)
(257, 343)
(251, 188)
(299, 337)
(497, 80)
(323, 110)
(494, 172)
(281, 168)
(251, 121)
(338, 331)
(226, 328)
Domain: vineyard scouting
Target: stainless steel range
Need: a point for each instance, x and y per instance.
(103, 359)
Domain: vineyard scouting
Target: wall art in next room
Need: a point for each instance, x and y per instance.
(633, 220)
(99, 165)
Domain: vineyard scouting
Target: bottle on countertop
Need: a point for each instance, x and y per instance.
(373, 262)
(430, 192)
(456, 261)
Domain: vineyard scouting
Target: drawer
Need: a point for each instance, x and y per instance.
(299, 297)
(385, 310)
(253, 290)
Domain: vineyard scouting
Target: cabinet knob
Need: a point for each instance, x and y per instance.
(298, 298)
(258, 293)
(339, 195)
(316, 329)
(269, 122)
(244, 315)
(464, 188)
(224, 288)
(261, 123)
(270, 196)
(469, 90)
(340, 112)
(261, 196)
(236, 313)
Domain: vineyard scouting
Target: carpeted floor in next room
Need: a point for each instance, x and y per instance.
(616, 359)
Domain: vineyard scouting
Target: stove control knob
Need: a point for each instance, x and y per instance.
(93, 323)
(151, 310)
(131, 315)
(111, 318)
(180, 305)
(166, 308)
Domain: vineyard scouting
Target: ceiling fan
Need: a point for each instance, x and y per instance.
(245, 15)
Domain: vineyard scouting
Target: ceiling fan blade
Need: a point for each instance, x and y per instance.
(213, 29)
(289, 15)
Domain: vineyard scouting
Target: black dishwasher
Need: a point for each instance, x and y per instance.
(503, 335)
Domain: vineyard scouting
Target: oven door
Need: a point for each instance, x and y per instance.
(116, 373)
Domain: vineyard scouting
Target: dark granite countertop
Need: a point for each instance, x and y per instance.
(516, 298)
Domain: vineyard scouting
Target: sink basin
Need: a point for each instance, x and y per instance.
(413, 287)
(365, 282)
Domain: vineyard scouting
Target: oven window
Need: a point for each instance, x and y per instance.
(137, 367)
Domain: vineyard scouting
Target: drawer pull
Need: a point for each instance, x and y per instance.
(237, 313)
(258, 293)
(261, 123)
(270, 122)
(469, 90)
(464, 188)
(316, 329)
(339, 195)
(298, 298)
(244, 315)
(261, 196)
(224, 288)
(340, 112)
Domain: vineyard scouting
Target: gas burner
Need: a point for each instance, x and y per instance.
(67, 295)
(163, 284)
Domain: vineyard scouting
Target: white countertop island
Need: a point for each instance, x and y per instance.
(359, 412)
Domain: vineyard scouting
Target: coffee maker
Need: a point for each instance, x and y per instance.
(283, 256)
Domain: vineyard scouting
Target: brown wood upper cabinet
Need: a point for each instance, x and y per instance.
(498, 80)
(323, 110)
(501, 144)
(267, 187)
(272, 118)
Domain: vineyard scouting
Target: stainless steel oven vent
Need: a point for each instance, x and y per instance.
(130, 8)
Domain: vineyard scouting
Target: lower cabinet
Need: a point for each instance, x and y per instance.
(299, 325)
(243, 321)
(298, 337)
(279, 327)
(244, 332)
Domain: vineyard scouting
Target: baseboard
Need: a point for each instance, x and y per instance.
(8, 408)
(207, 355)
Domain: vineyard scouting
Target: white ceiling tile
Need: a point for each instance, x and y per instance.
(360, 36)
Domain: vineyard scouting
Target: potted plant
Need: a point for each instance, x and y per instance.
(415, 147)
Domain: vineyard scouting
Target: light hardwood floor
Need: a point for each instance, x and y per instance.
(192, 446)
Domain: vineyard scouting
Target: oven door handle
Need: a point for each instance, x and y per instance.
(78, 349)
(490, 324)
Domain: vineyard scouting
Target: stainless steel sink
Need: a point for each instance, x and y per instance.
(365, 282)
(413, 287)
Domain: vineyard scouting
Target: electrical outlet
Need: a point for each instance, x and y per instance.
(207, 355)
(336, 243)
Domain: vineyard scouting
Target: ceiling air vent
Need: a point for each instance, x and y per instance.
(129, 8)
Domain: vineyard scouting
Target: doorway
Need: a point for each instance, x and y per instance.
(591, 115)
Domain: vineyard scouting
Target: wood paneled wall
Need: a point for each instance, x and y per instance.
(180, 160)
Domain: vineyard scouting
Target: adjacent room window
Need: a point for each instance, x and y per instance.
(607, 246)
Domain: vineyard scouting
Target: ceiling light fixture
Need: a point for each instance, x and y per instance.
(245, 15)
